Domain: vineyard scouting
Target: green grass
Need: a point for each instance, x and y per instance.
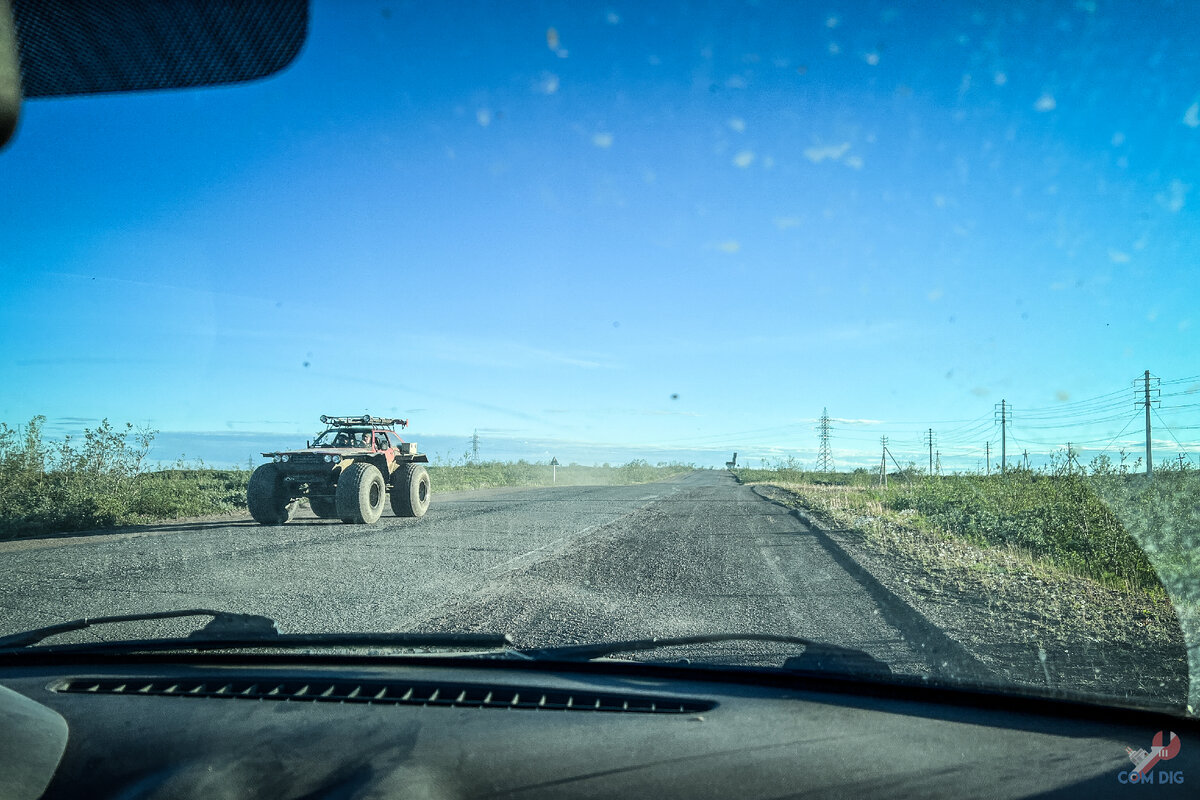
(1117, 528)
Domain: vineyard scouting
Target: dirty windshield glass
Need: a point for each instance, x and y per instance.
(868, 323)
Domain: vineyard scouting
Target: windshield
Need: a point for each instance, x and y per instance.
(346, 437)
(872, 324)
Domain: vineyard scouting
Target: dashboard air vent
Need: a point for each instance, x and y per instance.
(387, 693)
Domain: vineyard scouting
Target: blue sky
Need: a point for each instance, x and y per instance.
(646, 229)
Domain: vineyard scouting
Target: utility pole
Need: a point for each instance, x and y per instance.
(475, 445)
(1149, 455)
(1181, 462)
(824, 457)
(1072, 459)
(1004, 415)
(883, 462)
(929, 441)
(989, 458)
(1026, 459)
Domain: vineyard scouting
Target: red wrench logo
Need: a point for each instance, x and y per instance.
(1161, 752)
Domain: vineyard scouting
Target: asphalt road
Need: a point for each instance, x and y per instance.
(560, 565)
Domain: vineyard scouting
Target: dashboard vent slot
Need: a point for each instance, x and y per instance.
(389, 693)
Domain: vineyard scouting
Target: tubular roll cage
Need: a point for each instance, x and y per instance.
(365, 419)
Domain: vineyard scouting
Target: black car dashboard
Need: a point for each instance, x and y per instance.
(214, 727)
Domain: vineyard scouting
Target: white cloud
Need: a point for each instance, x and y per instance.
(1118, 257)
(1191, 117)
(738, 124)
(1175, 197)
(603, 140)
(833, 152)
(743, 159)
(729, 246)
(1046, 102)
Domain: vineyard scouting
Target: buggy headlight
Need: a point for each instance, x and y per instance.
(328, 458)
(336, 459)
(276, 458)
(285, 457)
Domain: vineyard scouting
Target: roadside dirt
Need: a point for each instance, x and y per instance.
(1027, 623)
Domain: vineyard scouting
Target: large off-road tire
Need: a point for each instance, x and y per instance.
(411, 491)
(360, 493)
(266, 498)
(323, 507)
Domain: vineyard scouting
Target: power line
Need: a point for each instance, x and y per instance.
(1113, 439)
(1168, 427)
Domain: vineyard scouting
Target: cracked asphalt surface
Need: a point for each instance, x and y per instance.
(550, 566)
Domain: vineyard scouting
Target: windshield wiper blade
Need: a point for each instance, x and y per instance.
(228, 630)
(817, 656)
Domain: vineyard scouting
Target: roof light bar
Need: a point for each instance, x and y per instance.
(365, 419)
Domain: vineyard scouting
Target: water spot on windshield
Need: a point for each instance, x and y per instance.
(602, 140)
(743, 159)
(1046, 102)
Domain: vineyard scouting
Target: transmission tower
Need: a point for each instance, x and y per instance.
(475, 445)
(824, 457)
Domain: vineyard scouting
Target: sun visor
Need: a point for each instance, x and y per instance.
(10, 75)
(72, 48)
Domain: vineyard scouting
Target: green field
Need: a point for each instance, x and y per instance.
(101, 480)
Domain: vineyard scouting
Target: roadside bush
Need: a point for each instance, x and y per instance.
(99, 481)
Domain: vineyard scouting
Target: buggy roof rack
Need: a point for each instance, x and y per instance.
(365, 419)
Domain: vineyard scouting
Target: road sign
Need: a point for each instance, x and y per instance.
(554, 470)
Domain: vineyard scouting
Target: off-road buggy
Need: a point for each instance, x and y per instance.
(345, 474)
